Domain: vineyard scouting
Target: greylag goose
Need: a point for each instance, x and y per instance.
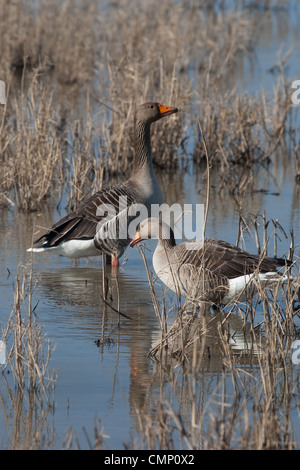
(206, 270)
(81, 232)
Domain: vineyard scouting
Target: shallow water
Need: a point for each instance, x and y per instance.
(114, 380)
(100, 359)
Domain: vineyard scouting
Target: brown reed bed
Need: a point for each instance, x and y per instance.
(27, 382)
(73, 85)
(248, 347)
(255, 395)
(249, 407)
(74, 75)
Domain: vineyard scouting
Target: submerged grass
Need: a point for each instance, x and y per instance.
(27, 383)
(246, 350)
(231, 383)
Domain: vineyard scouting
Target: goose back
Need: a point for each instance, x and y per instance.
(208, 270)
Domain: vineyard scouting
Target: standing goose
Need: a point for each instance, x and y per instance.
(83, 232)
(206, 270)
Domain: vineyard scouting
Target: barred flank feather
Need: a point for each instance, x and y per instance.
(107, 210)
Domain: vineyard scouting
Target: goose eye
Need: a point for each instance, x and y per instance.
(151, 106)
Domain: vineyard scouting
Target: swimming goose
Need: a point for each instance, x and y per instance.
(207, 270)
(84, 232)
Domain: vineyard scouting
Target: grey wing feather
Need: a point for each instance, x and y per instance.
(112, 236)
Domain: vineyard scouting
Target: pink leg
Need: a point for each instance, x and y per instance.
(114, 262)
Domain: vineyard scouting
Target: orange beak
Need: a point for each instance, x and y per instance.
(136, 239)
(165, 110)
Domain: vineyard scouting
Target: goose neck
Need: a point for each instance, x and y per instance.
(142, 146)
(166, 237)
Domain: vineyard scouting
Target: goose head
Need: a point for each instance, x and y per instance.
(150, 112)
(153, 228)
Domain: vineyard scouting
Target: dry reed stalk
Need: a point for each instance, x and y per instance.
(30, 152)
(251, 407)
(117, 58)
(28, 359)
(241, 134)
(71, 439)
(30, 34)
(160, 313)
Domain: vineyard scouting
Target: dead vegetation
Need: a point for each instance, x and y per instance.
(27, 383)
(247, 403)
(73, 85)
(242, 134)
(226, 378)
(67, 126)
(248, 348)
